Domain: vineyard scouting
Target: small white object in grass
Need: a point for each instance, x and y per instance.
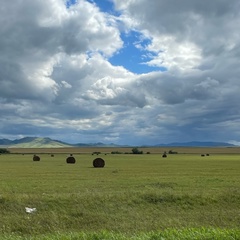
(30, 210)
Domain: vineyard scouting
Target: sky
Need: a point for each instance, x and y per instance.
(134, 72)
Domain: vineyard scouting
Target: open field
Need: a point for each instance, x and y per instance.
(181, 150)
(133, 195)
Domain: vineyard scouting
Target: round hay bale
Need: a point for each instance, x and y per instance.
(71, 160)
(36, 158)
(98, 163)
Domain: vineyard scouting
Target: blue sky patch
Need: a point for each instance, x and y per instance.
(133, 55)
(105, 6)
(70, 3)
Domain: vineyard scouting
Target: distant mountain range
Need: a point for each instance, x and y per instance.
(36, 142)
(198, 144)
(33, 142)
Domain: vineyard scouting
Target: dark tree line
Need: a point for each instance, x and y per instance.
(4, 150)
(136, 151)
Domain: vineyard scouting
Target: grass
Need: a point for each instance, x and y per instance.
(132, 197)
(169, 234)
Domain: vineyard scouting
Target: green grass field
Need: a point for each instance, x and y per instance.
(183, 196)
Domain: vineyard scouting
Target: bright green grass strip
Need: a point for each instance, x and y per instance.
(168, 234)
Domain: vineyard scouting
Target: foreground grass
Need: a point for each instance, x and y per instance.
(168, 234)
(133, 197)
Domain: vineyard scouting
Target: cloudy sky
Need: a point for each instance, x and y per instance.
(126, 72)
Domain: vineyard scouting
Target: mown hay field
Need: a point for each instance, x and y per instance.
(81, 150)
(132, 194)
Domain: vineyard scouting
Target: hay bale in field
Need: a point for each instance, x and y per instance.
(71, 160)
(36, 158)
(98, 163)
(164, 155)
